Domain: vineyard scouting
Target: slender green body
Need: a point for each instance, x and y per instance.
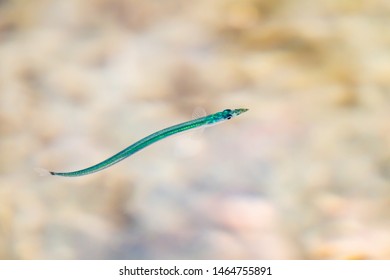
(157, 136)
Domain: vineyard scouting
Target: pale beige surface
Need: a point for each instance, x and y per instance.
(303, 175)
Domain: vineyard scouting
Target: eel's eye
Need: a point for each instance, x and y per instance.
(227, 114)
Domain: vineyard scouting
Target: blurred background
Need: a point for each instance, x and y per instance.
(304, 174)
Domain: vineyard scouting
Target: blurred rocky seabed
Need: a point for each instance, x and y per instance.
(304, 174)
